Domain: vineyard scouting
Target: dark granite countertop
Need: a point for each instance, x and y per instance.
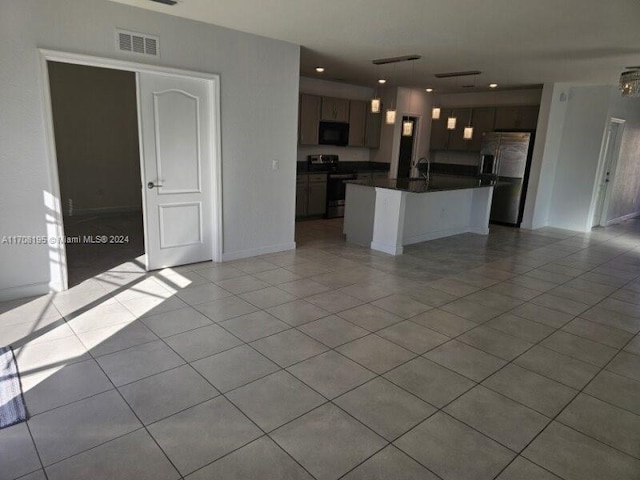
(344, 167)
(436, 183)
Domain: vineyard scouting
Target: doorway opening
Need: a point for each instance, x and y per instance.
(405, 155)
(606, 170)
(95, 123)
(174, 127)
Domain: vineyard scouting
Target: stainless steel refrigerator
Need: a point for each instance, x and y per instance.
(507, 157)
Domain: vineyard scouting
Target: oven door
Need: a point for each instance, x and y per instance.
(336, 193)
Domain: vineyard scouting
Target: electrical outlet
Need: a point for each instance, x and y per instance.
(275, 165)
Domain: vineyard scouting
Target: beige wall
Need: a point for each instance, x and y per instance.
(96, 131)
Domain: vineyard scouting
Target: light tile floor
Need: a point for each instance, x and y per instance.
(511, 356)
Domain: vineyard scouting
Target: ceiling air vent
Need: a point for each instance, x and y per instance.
(140, 43)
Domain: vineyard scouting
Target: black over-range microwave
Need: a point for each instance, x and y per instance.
(333, 133)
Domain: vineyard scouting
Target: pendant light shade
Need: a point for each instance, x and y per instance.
(435, 113)
(451, 123)
(467, 134)
(390, 117)
(375, 105)
(407, 128)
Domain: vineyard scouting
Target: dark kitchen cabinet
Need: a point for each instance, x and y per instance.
(317, 195)
(372, 128)
(334, 109)
(357, 122)
(456, 139)
(311, 194)
(302, 195)
(309, 119)
(439, 132)
(516, 118)
(482, 119)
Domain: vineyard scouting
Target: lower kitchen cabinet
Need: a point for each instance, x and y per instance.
(317, 198)
(302, 195)
(311, 195)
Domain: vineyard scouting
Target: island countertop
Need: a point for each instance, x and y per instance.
(436, 183)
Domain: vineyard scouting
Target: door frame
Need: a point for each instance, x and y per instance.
(54, 220)
(602, 221)
(414, 143)
(395, 157)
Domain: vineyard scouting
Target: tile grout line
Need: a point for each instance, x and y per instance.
(423, 327)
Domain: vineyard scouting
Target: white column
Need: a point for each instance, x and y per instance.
(480, 210)
(388, 223)
(553, 109)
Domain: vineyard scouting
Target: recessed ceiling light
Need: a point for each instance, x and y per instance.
(429, 90)
(319, 69)
(382, 81)
(493, 85)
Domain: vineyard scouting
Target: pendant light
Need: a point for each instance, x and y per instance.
(376, 103)
(451, 120)
(407, 127)
(435, 111)
(407, 124)
(390, 117)
(467, 134)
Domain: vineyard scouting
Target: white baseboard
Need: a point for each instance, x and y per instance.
(622, 218)
(479, 230)
(390, 249)
(433, 235)
(24, 291)
(227, 256)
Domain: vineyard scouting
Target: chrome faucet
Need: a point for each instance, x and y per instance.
(424, 167)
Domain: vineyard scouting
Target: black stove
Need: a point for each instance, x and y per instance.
(336, 181)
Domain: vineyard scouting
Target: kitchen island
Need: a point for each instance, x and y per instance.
(386, 214)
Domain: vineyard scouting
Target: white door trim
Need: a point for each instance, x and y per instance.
(55, 227)
(604, 148)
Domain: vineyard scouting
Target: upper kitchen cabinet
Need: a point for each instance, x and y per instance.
(309, 119)
(456, 140)
(357, 122)
(482, 119)
(439, 132)
(516, 118)
(335, 109)
(372, 129)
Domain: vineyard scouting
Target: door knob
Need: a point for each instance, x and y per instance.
(151, 185)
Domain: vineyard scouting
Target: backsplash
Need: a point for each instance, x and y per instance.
(454, 157)
(346, 154)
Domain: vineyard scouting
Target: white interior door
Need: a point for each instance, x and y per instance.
(175, 132)
(611, 152)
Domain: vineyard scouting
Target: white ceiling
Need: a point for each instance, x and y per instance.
(516, 43)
